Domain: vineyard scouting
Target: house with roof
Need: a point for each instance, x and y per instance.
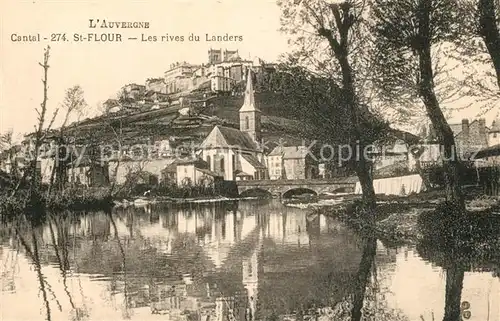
(470, 137)
(193, 171)
(491, 154)
(233, 153)
(83, 171)
(494, 133)
(292, 162)
(394, 153)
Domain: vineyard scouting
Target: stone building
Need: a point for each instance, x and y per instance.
(292, 162)
(194, 171)
(470, 137)
(236, 154)
(494, 133)
(223, 72)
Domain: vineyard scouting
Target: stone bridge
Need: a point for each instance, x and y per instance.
(286, 188)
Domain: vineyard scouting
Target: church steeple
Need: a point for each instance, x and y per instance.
(250, 115)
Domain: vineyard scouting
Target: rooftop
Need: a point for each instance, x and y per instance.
(227, 137)
(290, 152)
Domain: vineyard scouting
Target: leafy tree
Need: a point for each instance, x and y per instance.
(476, 48)
(74, 104)
(488, 18)
(407, 31)
(332, 38)
(8, 150)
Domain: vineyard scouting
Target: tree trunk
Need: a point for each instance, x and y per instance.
(425, 179)
(363, 166)
(363, 276)
(61, 164)
(340, 48)
(418, 167)
(488, 30)
(443, 130)
(453, 294)
(365, 177)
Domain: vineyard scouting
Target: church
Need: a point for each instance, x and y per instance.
(237, 154)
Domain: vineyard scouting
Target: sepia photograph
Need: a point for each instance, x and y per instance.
(250, 160)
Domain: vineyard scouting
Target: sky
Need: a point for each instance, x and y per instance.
(101, 69)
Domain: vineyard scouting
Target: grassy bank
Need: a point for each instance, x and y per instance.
(74, 199)
(409, 220)
(78, 199)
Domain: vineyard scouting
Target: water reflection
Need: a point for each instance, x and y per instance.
(238, 261)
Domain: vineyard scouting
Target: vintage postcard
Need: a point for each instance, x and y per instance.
(250, 160)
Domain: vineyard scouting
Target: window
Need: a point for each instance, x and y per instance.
(247, 123)
(222, 164)
(233, 162)
(209, 161)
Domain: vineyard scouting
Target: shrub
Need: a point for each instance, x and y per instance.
(467, 170)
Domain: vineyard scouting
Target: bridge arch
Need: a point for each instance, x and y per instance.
(298, 191)
(256, 192)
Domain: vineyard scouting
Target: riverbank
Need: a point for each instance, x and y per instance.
(141, 201)
(400, 220)
(39, 201)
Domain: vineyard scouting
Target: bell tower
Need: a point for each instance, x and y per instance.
(250, 116)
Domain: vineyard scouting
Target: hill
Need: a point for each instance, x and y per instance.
(144, 123)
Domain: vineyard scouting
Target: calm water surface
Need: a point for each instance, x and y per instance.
(251, 260)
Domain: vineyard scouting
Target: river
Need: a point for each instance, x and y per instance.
(247, 260)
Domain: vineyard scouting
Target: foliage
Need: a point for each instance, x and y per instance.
(80, 199)
(407, 31)
(12, 206)
(312, 98)
(71, 198)
(6, 140)
(452, 235)
(477, 48)
(399, 40)
(469, 175)
(74, 103)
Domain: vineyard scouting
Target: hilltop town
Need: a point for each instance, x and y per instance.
(185, 83)
(197, 123)
(217, 122)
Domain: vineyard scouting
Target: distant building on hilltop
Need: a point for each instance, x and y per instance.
(224, 70)
(178, 77)
(216, 56)
(156, 85)
(133, 91)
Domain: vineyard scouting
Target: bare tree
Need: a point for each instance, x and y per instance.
(488, 16)
(74, 104)
(40, 134)
(407, 31)
(475, 48)
(334, 38)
